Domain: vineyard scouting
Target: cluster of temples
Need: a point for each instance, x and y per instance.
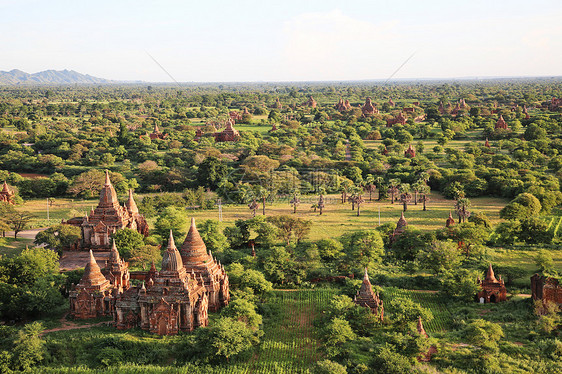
(108, 217)
(177, 298)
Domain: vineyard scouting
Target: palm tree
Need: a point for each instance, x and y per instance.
(461, 207)
(262, 194)
(370, 185)
(393, 189)
(253, 206)
(359, 200)
(379, 181)
(295, 201)
(321, 203)
(425, 190)
(416, 187)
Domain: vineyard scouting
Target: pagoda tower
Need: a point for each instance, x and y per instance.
(108, 217)
(90, 298)
(197, 260)
(7, 195)
(367, 298)
(492, 289)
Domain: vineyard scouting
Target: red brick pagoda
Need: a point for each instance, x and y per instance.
(501, 124)
(109, 217)
(493, 290)
(400, 227)
(229, 134)
(369, 108)
(7, 195)
(400, 119)
(196, 260)
(410, 152)
(546, 289)
(368, 298)
(310, 102)
(450, 220)
(342, 105)
(93, 295)
(174, 301)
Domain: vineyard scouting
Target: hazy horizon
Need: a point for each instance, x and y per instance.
(292, 41)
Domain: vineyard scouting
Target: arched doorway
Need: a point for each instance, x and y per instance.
(492, 298)
(162, 326)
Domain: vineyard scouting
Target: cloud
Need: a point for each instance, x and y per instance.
(333, 45)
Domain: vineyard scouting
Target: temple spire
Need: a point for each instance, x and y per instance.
(193, 249)
(114, 256)
(92, 273)
(107, 180)
(420, 328)
(131, 204)
(490, 276)
(171, 260)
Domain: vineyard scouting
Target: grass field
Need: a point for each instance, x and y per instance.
(338, 218)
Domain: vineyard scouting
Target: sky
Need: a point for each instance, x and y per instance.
(283, 40)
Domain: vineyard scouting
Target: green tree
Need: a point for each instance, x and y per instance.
(58, 237)
(440, 256)
(226, 338)
(244, 311)
(212, 234)
(363, 248)
(335, 334)
(484, 334)
(460, 283)
(174, 219)
(545, 263)
(18, 221)
(525, 205)
(128, 242)
(248, 279)
(329, 367)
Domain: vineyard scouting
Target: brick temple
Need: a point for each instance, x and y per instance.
(368, 298)
(546, 289)
(108, 217)
(492, 289)
(7, 195)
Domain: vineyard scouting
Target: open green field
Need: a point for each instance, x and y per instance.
(338, 218)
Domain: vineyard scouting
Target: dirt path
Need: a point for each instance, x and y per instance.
(69, 325)
(26, 234)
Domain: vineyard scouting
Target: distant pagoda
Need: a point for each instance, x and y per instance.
(368, 298)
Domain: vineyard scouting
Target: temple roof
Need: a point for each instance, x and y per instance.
(92, 273)
(401, 221)
(490, 277)
(193, 249)
(420, 328)
(130, 203)
(108, 196)
(171, 260)
(366, 289)
(6, 189)
(114, 255)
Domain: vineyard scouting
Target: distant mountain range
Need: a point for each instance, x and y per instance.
(18, 77)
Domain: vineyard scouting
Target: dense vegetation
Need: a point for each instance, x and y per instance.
(56, 141)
